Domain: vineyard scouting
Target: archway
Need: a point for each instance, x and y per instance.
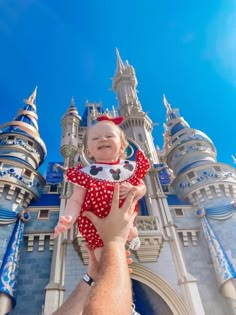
(153, 295)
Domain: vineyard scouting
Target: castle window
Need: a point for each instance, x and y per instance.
(53, 188)
(10, 138)
(165, 188)
(181, 148)
(30, 143)
(27, 173)
(179, 212)
(43, 214)
(191, 175)
(140, 138)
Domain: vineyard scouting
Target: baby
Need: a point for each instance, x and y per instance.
(105, 145)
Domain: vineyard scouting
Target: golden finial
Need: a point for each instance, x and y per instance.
(167, 105)
(32, 98)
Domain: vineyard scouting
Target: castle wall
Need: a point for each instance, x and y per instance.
(33, 277)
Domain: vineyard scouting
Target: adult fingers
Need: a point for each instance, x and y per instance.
(127, 253)
(129, 203)
(115, 198)
(129, 261)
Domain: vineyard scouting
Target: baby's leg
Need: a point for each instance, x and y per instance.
(133, 233)
(133, 239)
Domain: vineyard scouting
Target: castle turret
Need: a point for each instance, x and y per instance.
(199, 178)
(209, 186)
(70, 132)
(137, 124)
(21, 152)
(124, 84)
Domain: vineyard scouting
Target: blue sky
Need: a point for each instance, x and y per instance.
(185, 49)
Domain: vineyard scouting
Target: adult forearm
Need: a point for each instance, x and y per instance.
(111, 293)
(76, 301)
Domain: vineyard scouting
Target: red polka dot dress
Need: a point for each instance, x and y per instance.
(99, 180)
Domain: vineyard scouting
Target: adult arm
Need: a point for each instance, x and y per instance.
(112, 292)
(76, 301)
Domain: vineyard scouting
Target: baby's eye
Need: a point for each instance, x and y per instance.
(96, 138)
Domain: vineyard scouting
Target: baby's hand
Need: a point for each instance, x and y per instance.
(124, 189)
(64, 223)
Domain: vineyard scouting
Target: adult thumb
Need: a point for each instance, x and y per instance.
(91, 216)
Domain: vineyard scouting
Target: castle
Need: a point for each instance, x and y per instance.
(187, 260)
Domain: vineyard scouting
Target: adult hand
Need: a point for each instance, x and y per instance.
(115, 227)
(64, 223)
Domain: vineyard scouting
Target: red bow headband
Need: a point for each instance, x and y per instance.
(116, 120)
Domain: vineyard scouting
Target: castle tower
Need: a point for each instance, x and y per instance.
(137, 125)
(69, 148)
(201, 180)
(70, 133)
(210, 187)
(21, 152)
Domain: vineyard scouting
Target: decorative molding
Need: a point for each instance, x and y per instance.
(150, 248)
(147, 223)
(31, 238)
(80, 248)
(188, 235)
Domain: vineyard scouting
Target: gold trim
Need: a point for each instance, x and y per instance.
(18, 164)
(161, 287)
(28, 129)
(28, 113)
(24, 126)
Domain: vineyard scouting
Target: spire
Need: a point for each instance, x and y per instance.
(26, 121)
(167, 105)
(32, 99)
(120, 64)
(72, 102)
(72, 110)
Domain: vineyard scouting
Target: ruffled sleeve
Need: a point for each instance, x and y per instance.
(75, 176)
(142, 163)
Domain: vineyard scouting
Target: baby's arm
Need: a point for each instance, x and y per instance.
(72, 211)
(126, 187)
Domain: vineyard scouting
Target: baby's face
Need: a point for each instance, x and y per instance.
(104, 142)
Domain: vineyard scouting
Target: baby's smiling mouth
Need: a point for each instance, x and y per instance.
(103, 146)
